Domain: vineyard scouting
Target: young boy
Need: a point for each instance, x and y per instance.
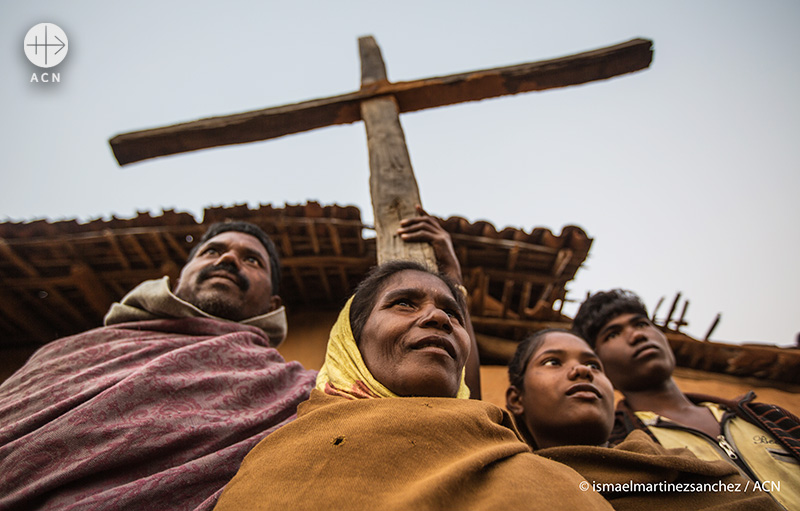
(762, 440)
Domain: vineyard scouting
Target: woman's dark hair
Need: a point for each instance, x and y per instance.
(602, 307)
(254, 231)
(525, 350)
(366, 293)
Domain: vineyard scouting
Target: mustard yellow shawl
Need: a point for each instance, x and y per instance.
(410, 453)
(407, 453)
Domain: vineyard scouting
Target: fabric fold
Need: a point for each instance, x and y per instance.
(154, 299)
(399, 454)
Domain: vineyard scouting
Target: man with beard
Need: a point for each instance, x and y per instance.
(762, 440)
(156, 409)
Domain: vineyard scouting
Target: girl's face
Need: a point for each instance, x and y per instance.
(566, 397)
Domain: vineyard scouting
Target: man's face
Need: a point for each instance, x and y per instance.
(229, 277)
(635, 353)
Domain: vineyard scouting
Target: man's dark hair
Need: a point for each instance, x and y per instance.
(366, 293)
(602, 307)
(525, 350)
(253, 230)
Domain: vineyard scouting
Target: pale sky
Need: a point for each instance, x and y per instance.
(686, 175)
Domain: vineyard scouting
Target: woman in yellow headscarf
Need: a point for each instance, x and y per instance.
(389, 425)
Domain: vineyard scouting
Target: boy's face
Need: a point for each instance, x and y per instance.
(634, 352)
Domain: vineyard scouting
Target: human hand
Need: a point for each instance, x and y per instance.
(424, 228)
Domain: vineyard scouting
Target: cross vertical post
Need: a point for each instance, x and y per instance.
(392, 184)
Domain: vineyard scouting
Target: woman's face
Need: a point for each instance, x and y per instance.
(566, 398)
(414, 341)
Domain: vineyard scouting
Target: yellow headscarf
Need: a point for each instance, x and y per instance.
(344, 372)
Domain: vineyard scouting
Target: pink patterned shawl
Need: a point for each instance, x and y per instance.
(153, 414)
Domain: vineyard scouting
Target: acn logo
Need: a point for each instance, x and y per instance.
(46, 45)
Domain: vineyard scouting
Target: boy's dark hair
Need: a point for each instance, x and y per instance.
(602, 307)
(253, 230)
(366, 292)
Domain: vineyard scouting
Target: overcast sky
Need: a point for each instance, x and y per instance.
(686, 175)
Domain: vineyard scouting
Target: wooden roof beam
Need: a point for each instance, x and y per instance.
(61, 303)
(16, 260)
(535, 278)
(285, 241)
(483, 291)
(527, 288)
(179, 249)
(563, 259)
(57, 297)
(312, 234)
(115, 248)
(508, 287)
(118, 289)
(137, 247)
(522, 323)
(21, 316)
(513, 255)
(92, 288)
(547, 296)
(326, 285)
(471, 240)
(298, 280)
(349, 262)
(336, 241)
(160, 247)
(672, 310)
(343, 279)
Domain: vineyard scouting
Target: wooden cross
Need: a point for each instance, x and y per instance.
(378, 103)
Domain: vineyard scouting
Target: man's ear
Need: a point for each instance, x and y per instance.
(274, 302)
(514, 400)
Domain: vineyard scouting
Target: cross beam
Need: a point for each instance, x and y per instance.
(379, 103)
(274, 122)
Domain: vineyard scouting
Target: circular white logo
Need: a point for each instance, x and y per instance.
(46, 45)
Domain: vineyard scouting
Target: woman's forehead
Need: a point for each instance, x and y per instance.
(414, 279)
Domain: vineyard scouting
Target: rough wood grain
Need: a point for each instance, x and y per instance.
(600, 64)
(373, 69)
(392, 184)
